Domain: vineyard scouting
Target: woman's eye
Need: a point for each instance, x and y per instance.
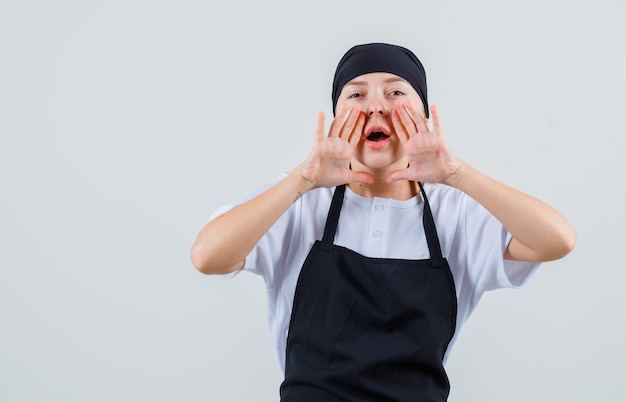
(397, 93)
(355, 95)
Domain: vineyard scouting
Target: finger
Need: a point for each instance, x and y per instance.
(413, 113)
(407, 120)
(338, 121)
(402, 174)
(362, 177)
(420, 121)
(434, 112)
(351, 121)
(401, 132)
(355, 137)
(320, 132)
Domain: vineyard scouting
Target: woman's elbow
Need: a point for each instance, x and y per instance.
(199, 259)
(563, 244)
(205, 260)
(209, 262)
(568, 242)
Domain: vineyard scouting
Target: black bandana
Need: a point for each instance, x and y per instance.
(380, 58)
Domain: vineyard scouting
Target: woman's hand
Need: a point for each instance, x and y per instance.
(540, 233)
(430, 158)
(328, 164)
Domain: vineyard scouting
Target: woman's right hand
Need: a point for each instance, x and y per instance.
(328, 164)
(223, 244)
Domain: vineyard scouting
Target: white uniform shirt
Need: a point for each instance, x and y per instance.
(472, 241)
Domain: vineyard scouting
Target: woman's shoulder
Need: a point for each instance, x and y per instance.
(316, 200)
(437, 192)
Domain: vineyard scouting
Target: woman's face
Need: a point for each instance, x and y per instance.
(380, 147)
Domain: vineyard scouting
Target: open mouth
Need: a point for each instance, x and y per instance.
(377, 136)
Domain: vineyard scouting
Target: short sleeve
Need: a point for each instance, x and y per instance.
(487, 240)
(262, 257)
(518, 273)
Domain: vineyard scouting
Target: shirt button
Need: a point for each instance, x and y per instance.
(379, 207)
(377, 233)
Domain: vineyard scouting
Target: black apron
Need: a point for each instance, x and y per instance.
(369, 329)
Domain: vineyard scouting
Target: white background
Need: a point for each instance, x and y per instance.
(123, 124)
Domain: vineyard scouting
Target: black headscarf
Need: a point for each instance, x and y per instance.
(380, 58)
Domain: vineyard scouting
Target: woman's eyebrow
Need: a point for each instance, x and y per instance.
(387, 81)
(355, 83)
(395, 79)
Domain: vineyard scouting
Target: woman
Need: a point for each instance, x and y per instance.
(376, 248)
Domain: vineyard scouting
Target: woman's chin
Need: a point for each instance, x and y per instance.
(380, 162)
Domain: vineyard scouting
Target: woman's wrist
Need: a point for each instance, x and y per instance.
(455, 179)
(302, 183)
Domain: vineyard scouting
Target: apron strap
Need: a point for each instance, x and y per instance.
(333, 218)
(431, 232)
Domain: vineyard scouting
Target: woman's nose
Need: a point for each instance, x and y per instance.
(376, 108)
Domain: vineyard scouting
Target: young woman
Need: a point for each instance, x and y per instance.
(376, 248)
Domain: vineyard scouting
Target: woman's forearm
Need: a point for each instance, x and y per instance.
(540, 233)
(223, 244)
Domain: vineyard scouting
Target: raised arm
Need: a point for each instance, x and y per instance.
(540, 233)
(223, 244)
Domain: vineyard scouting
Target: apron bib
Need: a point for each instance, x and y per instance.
(369, 329)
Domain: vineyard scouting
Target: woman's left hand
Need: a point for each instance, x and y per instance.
(430, 158)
